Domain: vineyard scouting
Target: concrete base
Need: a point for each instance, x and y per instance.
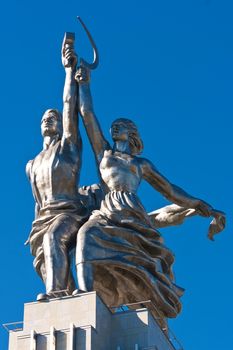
(83, 322)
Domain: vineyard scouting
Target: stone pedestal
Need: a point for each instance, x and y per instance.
(83, 322)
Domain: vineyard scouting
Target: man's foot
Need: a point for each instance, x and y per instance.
(42, 297)
(77, 292)
(54, 294)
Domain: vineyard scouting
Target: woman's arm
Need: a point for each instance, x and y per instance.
(98, 142)
(172, 192)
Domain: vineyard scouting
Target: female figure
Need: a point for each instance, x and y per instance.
(119, 253)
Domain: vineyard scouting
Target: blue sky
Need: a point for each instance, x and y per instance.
(165, 64)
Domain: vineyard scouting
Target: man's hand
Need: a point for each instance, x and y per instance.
(69, 57)
(82, 75)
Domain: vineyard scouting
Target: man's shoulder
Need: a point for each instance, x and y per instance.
(31, 162)
(28, 168)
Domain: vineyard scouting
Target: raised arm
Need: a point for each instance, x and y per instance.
(98, 142)
(172, 192)
(70, 109)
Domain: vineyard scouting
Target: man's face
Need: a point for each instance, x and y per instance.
(119, 132)
(50, 124)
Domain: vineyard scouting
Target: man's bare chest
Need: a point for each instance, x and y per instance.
(50, 164)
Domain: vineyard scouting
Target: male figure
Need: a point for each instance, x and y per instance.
(54, 175)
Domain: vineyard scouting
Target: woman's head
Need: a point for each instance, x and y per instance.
(123, 129)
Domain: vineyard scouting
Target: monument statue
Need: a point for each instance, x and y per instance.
(119, 251)
(54, 175)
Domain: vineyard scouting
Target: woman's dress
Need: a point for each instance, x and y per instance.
(130, 262)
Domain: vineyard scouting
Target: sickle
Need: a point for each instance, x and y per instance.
(95, 62)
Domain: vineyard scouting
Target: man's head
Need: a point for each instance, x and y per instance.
(51, 123)
(123, 129)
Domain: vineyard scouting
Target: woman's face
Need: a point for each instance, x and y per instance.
(119, 132)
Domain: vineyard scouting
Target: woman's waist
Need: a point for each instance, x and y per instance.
(119, 200)
(121, 193)
(121, 182)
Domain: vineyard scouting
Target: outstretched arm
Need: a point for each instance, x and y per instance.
(170, 215)
(173, 214)
(98, 142)
(70, 110)
(172, 192)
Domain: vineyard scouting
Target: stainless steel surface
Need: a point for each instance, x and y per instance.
(60, 207)
(95, 62)
(119, 252)
(54, 174)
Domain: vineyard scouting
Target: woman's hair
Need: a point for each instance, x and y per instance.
(135, 142)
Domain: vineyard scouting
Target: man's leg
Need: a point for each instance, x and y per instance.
(83, 266)
(71, 286)
(57, 243)
(39, 264)
(85, 276)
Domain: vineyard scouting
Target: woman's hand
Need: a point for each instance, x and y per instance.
(82, 75)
